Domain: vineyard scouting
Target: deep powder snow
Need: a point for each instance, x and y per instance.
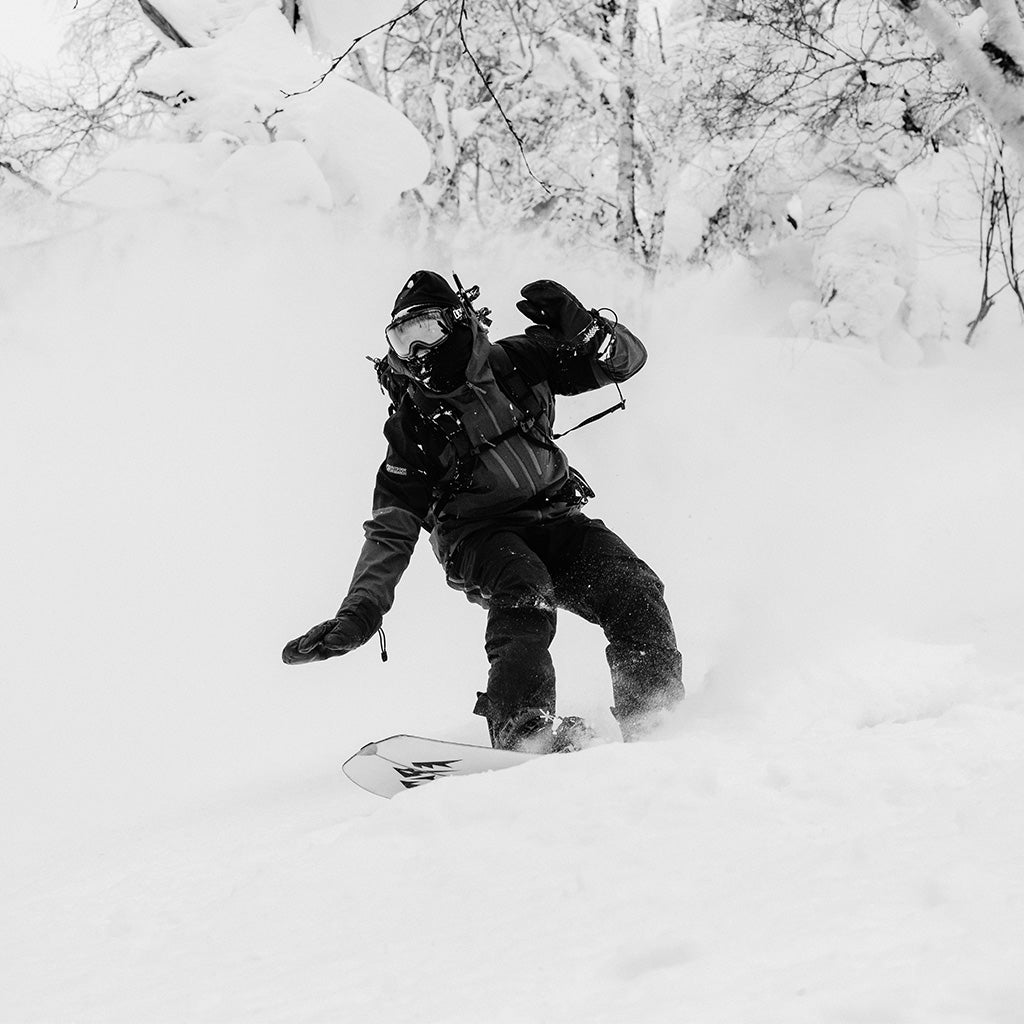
(830, 829)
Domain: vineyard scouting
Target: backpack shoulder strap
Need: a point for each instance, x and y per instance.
(513, 385)
(508, 377)
(443, 419)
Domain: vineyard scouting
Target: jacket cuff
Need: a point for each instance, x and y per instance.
(369, 619)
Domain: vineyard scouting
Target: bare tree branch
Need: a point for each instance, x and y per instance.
(16, 172)
(501, 110)
(355, 42)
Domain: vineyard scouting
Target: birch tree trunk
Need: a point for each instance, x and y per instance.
(163, 26)
(290, 9)
(625, 218)
(992, 71)
(665, 170)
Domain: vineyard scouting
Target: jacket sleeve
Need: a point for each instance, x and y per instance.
(401, 503)
(615, 354)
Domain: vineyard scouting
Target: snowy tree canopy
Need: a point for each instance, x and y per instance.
(673, 133)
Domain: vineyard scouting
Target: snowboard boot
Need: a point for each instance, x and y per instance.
(573, 733)
(531, 731)
(639, 725)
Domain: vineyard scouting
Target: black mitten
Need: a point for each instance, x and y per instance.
(557, 311)
(331, 638)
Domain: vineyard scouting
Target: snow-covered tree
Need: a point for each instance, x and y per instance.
(518, 102)
(985, 49)
(801, 120)
(666, 132)
(248, 111)
(54, 128)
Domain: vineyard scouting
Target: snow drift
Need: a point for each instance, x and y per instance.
(829, 830)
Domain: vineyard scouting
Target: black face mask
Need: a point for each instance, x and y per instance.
(443, 368)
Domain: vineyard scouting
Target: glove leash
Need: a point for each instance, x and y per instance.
(597, 416)
(622, 401)
(383, 644)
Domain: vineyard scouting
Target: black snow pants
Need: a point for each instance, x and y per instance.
(522, 574)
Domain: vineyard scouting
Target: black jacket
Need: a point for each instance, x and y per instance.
(519, 480)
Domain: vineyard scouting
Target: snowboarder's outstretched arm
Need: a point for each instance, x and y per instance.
(573, 348)
(401, 500)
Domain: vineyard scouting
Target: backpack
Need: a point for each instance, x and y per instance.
(445, 422)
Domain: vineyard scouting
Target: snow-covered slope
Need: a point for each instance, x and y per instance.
(829, 830)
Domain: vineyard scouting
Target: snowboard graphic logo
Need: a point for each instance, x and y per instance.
(425, 771)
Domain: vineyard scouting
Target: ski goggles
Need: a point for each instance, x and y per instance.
(423, 328)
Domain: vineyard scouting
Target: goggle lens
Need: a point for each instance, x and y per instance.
(421, 329)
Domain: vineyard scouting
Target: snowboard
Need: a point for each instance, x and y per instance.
(398, 763)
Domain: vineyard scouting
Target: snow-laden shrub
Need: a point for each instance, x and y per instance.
(246, 122)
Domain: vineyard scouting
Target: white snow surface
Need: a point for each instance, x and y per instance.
(829, 830)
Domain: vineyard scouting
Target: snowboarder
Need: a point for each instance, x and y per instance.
(471, 459)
